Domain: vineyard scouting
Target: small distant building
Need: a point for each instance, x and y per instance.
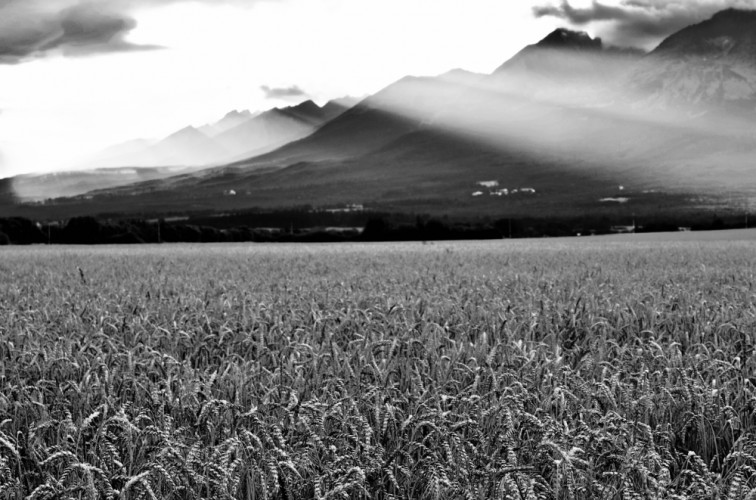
(489, 184)
(354, 207)
(622, 229)
(684, 229)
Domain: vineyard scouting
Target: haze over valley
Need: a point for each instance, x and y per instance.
(568, 124)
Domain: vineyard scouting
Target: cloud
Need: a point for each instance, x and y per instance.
(37, 28)
(283, 92)
(597, 12)
(31, 28)
(639, 22)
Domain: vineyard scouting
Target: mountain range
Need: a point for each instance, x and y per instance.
(567, 125)
(238, 134)
(711, 63)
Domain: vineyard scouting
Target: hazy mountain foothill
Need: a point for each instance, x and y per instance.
(568, 127)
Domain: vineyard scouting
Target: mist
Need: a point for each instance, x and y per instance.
(595, 113)
(565, 110)
(238, 135)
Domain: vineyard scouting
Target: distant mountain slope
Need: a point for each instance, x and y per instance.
(38, 187)
(566, 65)
(398, 109)
(710, 64)
(562, 53)
(276, 127)
(311, 113)
(566, 120)
(728, 34)
(188, 147)
(238, 134)
(134, 151)
(426, 169)
(231, 120)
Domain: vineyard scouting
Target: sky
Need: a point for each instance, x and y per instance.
(77, 76)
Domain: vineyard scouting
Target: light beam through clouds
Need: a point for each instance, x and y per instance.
(596, 123)
(216, 55)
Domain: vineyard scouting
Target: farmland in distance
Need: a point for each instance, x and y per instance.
(519, 370)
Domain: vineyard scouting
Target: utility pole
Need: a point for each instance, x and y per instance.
(747, 208)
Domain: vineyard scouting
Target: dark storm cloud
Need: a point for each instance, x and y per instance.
(597, 12)
(282, 92)
(640, 22)
(31, 29)
(36, 28)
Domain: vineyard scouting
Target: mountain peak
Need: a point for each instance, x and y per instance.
(238, 114)
(461, 76)
(734, 13)
(568, 39)
(708, 66)
(728, 33)
(563, 53)
(346, 101)
(334, 104)
(307, 106)
(187, 131)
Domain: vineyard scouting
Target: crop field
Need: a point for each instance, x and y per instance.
(498, 370)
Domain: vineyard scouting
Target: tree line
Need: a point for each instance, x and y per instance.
(377, 227)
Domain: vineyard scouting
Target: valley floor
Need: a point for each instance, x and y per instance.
(691, 236)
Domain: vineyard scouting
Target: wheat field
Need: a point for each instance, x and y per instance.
(502, 370)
